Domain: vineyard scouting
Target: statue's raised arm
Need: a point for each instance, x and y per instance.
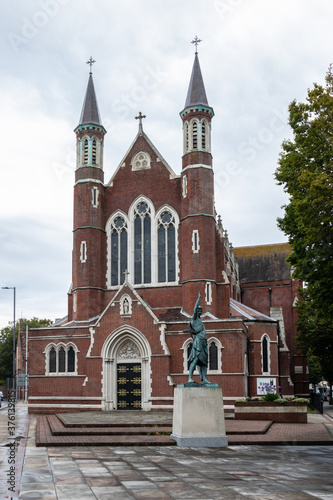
(196, 307)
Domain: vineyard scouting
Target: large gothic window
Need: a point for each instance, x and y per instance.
(119, 239)
(166, 248)
(142, 244)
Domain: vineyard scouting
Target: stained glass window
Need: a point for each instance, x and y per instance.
(166, 248)
(119, 240)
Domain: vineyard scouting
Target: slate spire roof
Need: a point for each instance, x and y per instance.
(90, 113)
(196, 93)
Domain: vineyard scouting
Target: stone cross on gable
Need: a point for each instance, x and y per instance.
(140, 118)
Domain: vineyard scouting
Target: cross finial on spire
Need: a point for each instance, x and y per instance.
(196, 42)
(140, 117)
(90, 61)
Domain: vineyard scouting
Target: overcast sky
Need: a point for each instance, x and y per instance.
(256, 56)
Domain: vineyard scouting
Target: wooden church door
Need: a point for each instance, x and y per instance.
(129, 386)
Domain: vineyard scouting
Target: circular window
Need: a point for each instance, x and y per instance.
(142, 208)
(119, 222)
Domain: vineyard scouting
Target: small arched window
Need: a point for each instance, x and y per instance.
(71, 359)
(203, 135)
(86, 152)
(195, 135)
(187, 146)
(52, 360)
(62, 360)
(94, 152)
(265, 360)
(213, 365)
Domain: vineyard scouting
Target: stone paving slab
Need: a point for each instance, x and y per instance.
(233, 473)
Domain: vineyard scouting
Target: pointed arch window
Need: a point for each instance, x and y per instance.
(195, 134)
(142, 243)
(61, 359)
(265, 351)
(187, 145)
(86, 152)
(212, 356)
(166, 248)
(94, 152)
(52, 360)
(119, 242)
(203, 134)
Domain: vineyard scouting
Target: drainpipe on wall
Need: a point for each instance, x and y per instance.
(248, 369)
(279, 361)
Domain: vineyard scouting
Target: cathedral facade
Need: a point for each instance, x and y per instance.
(145, 243)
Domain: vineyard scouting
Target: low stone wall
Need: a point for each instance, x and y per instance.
(276, 412)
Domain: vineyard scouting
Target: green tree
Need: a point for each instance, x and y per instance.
(6, 343)
(306, 173)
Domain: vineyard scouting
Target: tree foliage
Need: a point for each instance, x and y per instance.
(6, 343)
(306, 173)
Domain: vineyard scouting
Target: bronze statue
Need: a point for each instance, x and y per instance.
(199, 353)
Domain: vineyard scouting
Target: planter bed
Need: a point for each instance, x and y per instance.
(276, 412)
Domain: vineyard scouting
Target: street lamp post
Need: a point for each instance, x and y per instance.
(14, 340)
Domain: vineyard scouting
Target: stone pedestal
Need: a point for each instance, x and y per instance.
(198, 417)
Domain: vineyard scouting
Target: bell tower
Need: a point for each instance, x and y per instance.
(198, 273)
(88, 281)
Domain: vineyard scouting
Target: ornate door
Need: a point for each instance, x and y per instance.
(129, 386)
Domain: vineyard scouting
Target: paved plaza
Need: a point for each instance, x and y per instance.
(264, 472)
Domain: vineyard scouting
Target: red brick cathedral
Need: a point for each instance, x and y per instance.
(145, 243)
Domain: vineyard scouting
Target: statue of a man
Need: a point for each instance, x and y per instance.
(199, 353)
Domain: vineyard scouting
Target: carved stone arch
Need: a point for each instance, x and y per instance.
(141, 161)
(125, 344)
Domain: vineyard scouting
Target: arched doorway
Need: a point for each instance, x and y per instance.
(126, 357)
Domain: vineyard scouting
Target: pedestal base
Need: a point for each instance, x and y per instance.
(198, 417)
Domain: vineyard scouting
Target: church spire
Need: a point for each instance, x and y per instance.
(196, 93)
(90, 112)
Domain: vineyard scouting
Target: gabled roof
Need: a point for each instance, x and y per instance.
(239, 310)
(196, 93)
(120, 292)
(90, 112)
(141, 133)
